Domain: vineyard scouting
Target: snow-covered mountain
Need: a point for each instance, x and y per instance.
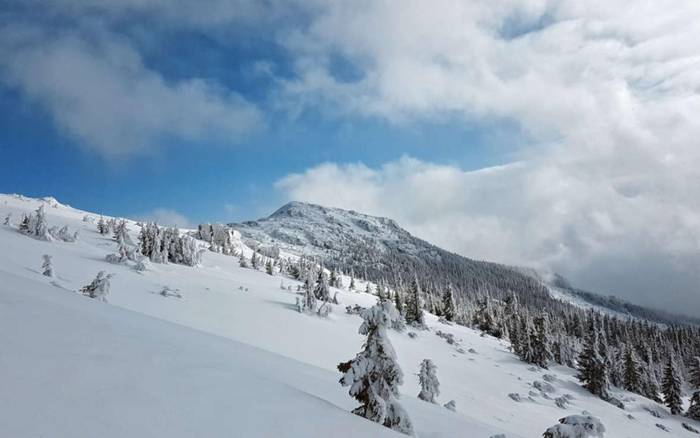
(377, 248)
(228, 354)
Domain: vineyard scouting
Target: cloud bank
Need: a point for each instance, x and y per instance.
(607, 187)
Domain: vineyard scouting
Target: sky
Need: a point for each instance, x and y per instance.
(561, 135)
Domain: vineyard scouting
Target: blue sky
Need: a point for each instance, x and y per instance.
(221, 182)
(527, 132)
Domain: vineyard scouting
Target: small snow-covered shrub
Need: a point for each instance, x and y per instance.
(654, 411)
(662, 427)
(354, 310)
(576, 426)
(448, 337)
(616, 402)
(515, 396)
(99, 288)
(47, 266)
(141, 264)
(451, 406)
(324, 310)
(166, 291)
(690, 428)
(543, 386)
(561, 402)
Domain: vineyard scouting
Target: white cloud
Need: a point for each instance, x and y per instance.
(166, 217)
(100, 93)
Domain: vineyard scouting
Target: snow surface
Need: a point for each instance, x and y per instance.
(233, 357)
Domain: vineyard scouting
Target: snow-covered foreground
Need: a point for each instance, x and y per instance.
(239, 360)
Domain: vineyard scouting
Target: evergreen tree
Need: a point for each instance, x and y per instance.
(352, 283)
(321, 290)
(269, 268)
(694, 408)
(23, 226)
(102, 226)
(309, 301)
(430, 387)
(591, 365)
(541, 353)
(448, 304)
(398, 301)
(47, 266)
(254, 261)
(695, 372)
(36, 224)
(7, 219)
(631, 378)
(242, 261)
(374, 374)
(414, 311)
(671, 387)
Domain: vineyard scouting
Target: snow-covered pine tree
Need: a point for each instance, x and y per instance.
(99, 287)
(243, 261)
(694, 375)
(694, 408)
(7, 219)
(650, 383)
(321, 290)
(414, 310)
(539, 342)
(429, 384)
(448, 304)
(309, 301)
(352, 283)
(268, 268)
(23, 226)
(37, 225)
(671, 387)
(591, 365)
(254, 261)
(631, 378)
(191, 253)
(398, 302)
(102, 226)
(47, 265)
(694, 380)
(374, 374)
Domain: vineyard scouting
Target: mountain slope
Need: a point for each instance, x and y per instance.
(378, 249)
(104, 368)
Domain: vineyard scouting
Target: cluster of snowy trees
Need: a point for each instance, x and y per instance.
(219, 237)
(641, 356)
(163, 245)
(36, 225)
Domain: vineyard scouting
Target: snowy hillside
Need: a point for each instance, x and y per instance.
(228, 354)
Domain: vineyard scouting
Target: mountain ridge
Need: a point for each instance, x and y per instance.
(331, 235)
